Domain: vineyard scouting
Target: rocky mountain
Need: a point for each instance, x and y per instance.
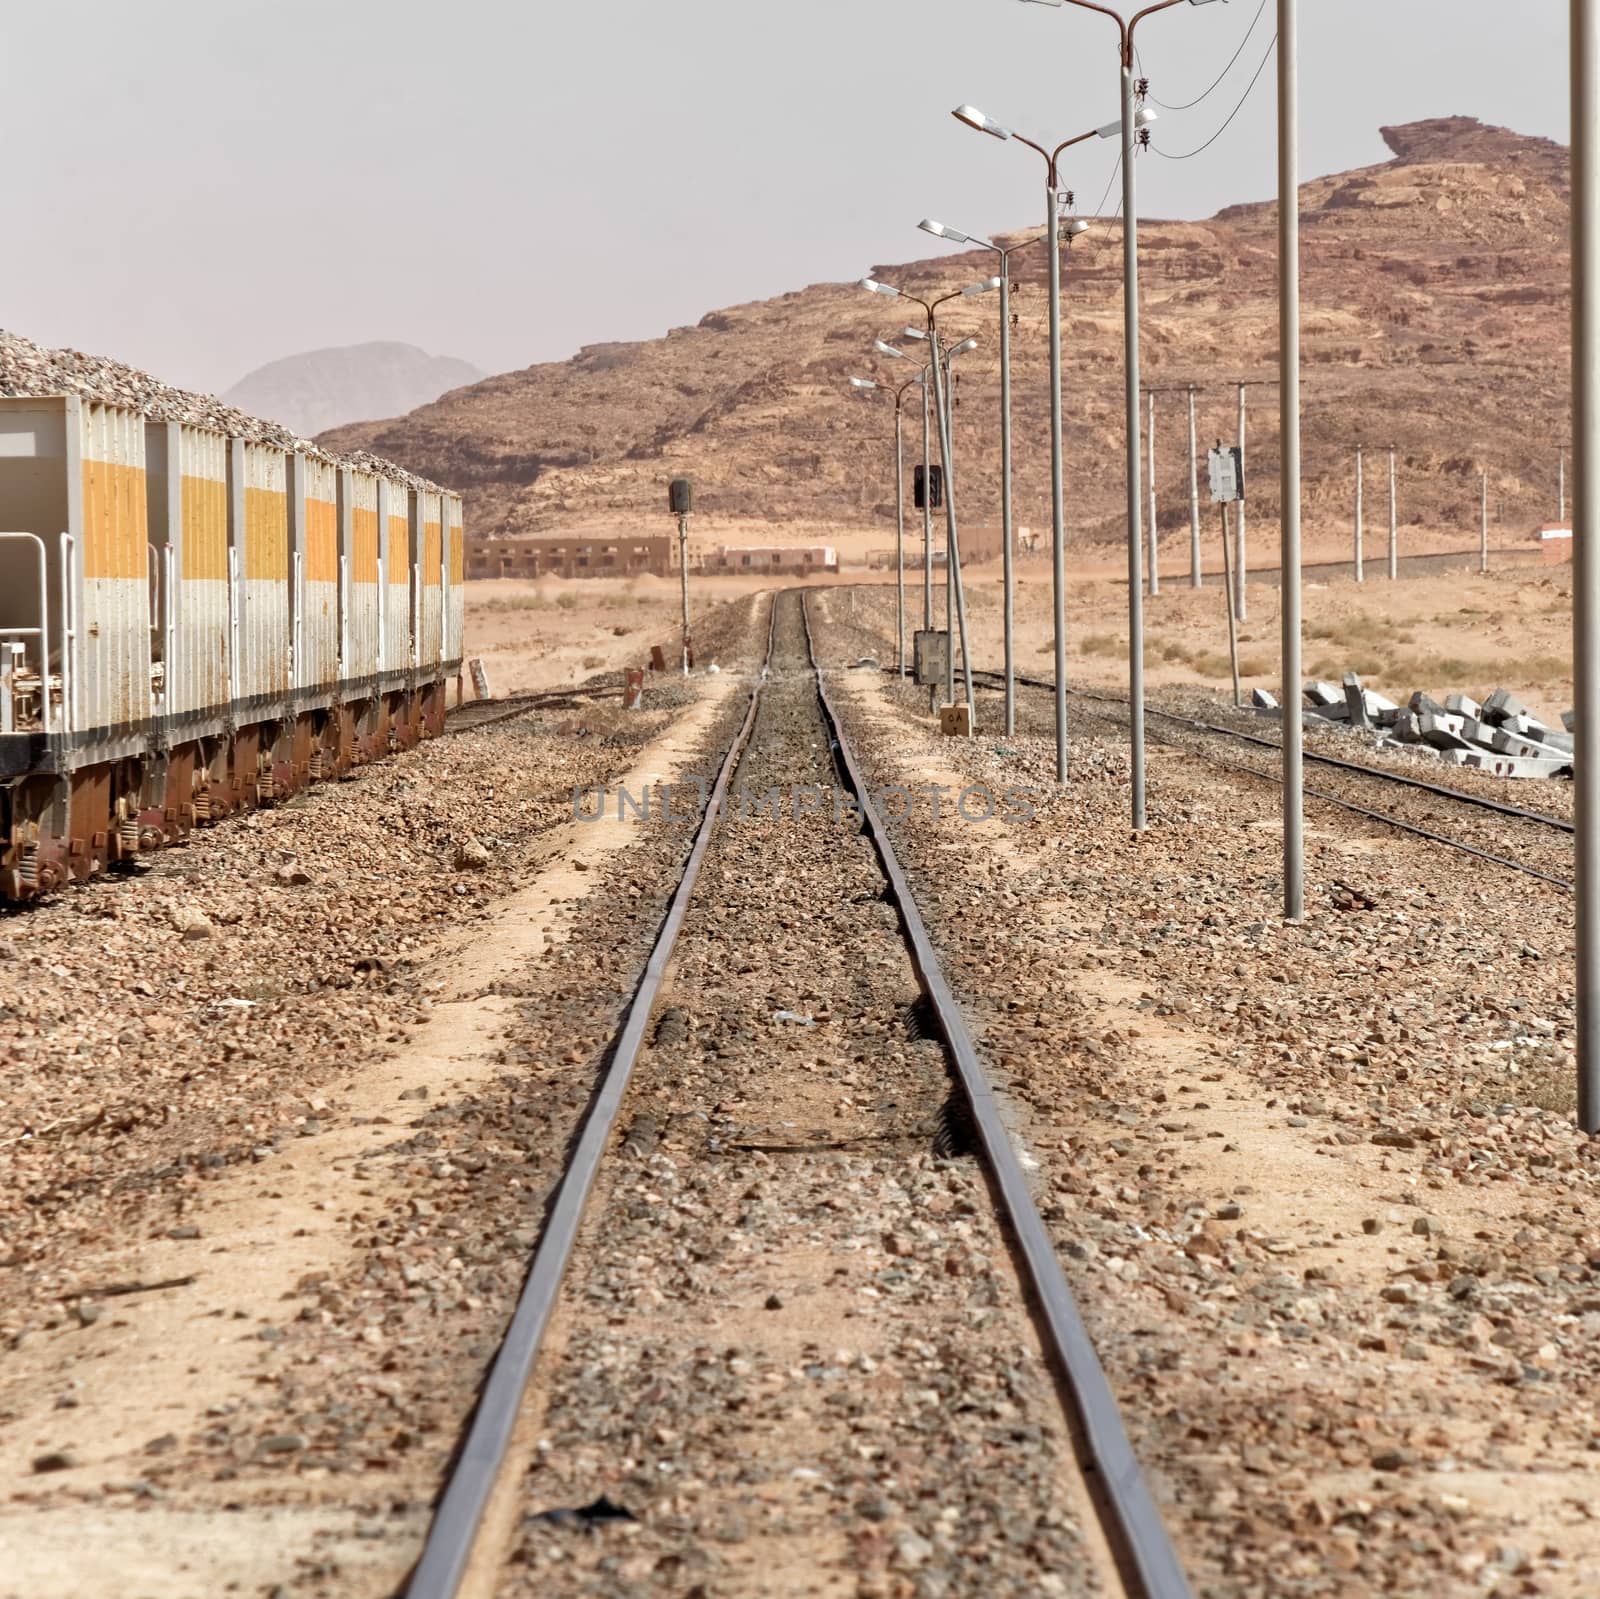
(321, 389)
(1435, 296)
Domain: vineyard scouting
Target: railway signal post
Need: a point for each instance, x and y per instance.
(680, 497)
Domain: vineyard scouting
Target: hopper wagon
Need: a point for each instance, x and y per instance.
(193, 624)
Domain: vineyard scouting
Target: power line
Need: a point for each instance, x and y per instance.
(1189, 155)
(1190, 104)
(1099, 209)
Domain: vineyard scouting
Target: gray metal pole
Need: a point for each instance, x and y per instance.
(899, 543)
(952, 546)
(683, 581)
(1585, 519)
(1394, 528)
(1058, 514)
(1294, 889)
(927, 524)
(1155, 564)
(947, 431)
(1361, 573)
(1241, 565)
(1195, 579)
(1007, 554)
(1130, 317)
(1483, 522)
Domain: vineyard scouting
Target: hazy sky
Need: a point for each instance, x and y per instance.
(199, 186)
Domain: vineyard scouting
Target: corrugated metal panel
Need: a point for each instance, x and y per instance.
(111, 659)
(187, 473)
(317, 619)
(359, 551)
(394, 526)
(259, 475)
(198, 679)
(430, 574)
(456, 574)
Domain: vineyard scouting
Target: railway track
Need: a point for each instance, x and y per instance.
(811, 1324)
(485, 713)
(1539, 844)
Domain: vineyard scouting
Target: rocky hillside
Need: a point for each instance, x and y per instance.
(1435, 305)
(322, 389)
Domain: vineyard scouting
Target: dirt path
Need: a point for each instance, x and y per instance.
(120, 1393)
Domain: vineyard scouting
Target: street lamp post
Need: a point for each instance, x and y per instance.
(1003, 283)
(1134, 119)
(952, 573)
(974, 118)
(867, 385)
(942, 412)
(1289, 690)
(1585, 25)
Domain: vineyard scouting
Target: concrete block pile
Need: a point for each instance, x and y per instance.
(1500, 736)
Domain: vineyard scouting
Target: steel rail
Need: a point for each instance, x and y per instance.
(462, 720)
(1444, 791)
(453, 1532)
(1385, 818)
(1138, 1525)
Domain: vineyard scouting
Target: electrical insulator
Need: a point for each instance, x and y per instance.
(1143, 88)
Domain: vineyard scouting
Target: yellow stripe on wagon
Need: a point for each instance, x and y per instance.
(115, 524)
(364, 546)
(266, 534)
(432, 551)
(205, 529)
(322, 542)
(399, 550)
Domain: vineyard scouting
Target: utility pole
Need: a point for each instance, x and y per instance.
(1293, 732)
(1483, 523)
(1394, 529)
(1241, 562)
(1130, 345)
(1585, 34)
(1155, 565)
(1194, 501)
(1361, 575)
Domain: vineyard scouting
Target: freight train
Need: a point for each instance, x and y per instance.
(194, 624)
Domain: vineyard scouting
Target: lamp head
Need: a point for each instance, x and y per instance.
(889, 350)
(1074, 229)
(862, 384)
(940, 231)
(875, 287)
(917, 333)
(983, 287)
(974, 118)
(962, 348)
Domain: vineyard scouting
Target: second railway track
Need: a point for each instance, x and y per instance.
(807, 1334)
(1532, 843)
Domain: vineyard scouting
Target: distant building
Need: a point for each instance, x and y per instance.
(799, 559)
(603, 556)
(633, 556)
